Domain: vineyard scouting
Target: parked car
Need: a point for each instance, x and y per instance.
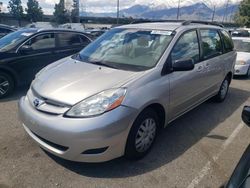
(96, 32)
(246, 29)
(242, 67)
(74, 26)
(241, 175)
(5, 29)
(24, 52)
(113, 98)
(240, 33)
(45, 25)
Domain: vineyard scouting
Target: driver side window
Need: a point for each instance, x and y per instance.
(43, 41)
(187, 47)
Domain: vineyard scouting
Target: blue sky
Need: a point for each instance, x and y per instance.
(110, 5)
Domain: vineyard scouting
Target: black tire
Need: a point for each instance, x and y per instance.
(131, 152)
(221, 96)
(248, 73)
(8, 88)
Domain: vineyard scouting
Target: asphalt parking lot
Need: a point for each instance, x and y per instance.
(199, 149)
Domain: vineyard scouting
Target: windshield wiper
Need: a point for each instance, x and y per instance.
(102, 64)
(80, 58)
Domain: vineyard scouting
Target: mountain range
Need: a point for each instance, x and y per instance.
(189, 12)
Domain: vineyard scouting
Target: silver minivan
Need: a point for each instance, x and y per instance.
(114, 97)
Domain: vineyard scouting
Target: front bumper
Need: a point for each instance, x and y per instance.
(69, 138)
(241, 69)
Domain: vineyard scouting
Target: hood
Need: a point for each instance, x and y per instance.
(244, 56)
(71, 81)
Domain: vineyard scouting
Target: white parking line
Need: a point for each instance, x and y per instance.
(205, 170)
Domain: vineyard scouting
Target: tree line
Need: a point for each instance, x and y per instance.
(242, 17)
(34, 11)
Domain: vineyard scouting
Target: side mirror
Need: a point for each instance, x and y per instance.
(25, 49)
(246, 115)
(183, 65)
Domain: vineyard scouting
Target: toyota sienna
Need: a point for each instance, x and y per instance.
(113, 98)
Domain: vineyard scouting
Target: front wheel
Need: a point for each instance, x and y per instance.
(248, 72)
(142, 135)
(222, 94)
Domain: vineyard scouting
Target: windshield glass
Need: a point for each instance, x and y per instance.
(11, 40)
(242, 45)
(128, 49)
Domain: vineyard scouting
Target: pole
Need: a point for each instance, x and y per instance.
(118, 7)
(225, 16)
(78, 11)
(213, 14)
(178, 9)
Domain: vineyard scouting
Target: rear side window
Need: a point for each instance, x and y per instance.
(227, 41)
(5, 31)
(69, 39)
(187, 47)
(84, 40)
(211, 43)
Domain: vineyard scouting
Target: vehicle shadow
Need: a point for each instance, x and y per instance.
(241, 78)
(175, 140)
(17, 94)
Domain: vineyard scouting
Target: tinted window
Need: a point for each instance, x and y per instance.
(228, 43)
(84, 40)
(211, 43)
(3, 30)
(43, 41)
(186, 48)
(68, 39)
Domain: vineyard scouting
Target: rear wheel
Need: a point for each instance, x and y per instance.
(142, 135)
(222, 94)
(6, 84)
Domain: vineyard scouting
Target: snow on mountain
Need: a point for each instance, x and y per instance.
(158, 11)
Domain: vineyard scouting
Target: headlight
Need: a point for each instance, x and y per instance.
(239, 62)
(98, 104)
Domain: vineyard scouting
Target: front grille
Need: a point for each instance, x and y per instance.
(49, 101)
(46, 105)
(57, 146)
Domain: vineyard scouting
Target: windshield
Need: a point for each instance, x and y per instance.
(128, 49)
(242, 45)
(11, 40)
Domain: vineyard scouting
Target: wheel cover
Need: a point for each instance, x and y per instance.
(145, 135)
(224, 89)
(4, 85)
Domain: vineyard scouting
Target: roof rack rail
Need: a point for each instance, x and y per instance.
(201, 22)
(154, 21)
